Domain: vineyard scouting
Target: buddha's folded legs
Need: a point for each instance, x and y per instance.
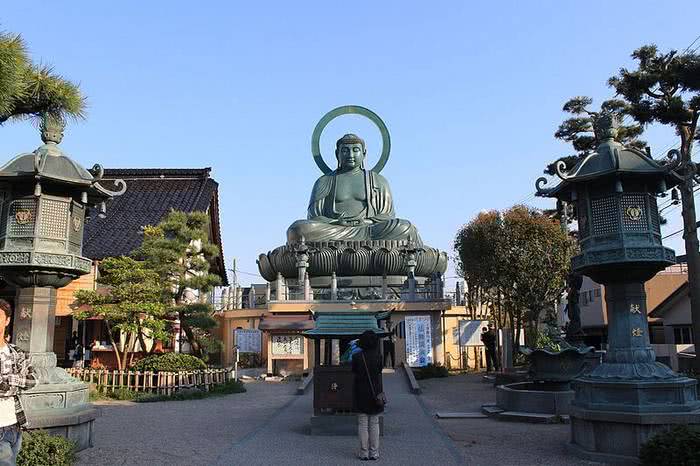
(313, 231)
(395, 229)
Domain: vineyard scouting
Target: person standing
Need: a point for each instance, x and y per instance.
(16, 375)
(488, 338)
(389, 345)
(368, 390)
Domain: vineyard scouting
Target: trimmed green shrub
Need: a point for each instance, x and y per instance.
(430, 371)
(680, 447)
(170, 362)
(232, 386)
(40, 448)
(122, 394)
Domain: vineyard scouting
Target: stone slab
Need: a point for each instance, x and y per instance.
(447, 415)
(520, 416)
(491, 410)
(413, 384)
(305, 383)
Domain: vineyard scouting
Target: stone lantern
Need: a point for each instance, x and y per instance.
(630, 396)
(46, 197)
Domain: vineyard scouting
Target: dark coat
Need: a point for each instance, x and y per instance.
(363, 399)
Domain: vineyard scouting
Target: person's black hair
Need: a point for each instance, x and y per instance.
(368, 340)
(6, 308)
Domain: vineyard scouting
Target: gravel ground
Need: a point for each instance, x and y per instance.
(488, 441)
(181, 432)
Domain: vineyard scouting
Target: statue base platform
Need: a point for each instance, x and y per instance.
(61, 409)
(612, 419)
(352, 258)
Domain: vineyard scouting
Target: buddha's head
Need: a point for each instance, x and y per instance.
(350, 151)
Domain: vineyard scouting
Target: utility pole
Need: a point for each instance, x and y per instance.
(688, 171)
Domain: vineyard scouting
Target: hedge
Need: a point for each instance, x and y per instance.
(170, 362)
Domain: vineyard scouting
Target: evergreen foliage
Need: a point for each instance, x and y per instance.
(130, 303)
(580, 129)
(179, 251)
(430, 371)
(40, 448)
(665, 89)
(28, 90)
(680, 447)
(170, 362)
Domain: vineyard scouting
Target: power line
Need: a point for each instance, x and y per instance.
(246, 273)
(685, 51)
(691, 44)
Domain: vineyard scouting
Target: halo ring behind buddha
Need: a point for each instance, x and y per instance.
(345, 110)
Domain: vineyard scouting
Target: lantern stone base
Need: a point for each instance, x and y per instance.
(611, 420)
(61, 409)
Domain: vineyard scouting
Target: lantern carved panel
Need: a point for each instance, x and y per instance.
(606, 215)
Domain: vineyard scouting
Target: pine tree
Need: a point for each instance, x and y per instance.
(665, 89)
(179, 251)
(28, 90)
(579, 130)
(130, 303)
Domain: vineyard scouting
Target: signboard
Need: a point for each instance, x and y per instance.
(288, 344)
(248, 340)
(419, 342)
(468, 332)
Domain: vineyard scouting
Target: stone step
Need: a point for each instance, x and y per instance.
(491, 410)
(535, 418)
(455, 415)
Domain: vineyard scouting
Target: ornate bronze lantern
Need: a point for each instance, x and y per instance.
(46, 198)
(630, 396)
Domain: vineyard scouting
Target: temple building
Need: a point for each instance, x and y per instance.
(151, 193)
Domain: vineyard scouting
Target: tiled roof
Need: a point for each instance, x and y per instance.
(150, 194)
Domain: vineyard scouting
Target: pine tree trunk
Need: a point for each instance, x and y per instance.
(690, 235)
(117, 355)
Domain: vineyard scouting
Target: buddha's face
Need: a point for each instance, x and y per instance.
(350, 156)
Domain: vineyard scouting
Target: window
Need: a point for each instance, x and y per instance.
(597, 293)
(583, 298)
(590, 296)
(682, 335)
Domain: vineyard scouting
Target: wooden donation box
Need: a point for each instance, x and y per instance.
(333, 387)
(333, 384)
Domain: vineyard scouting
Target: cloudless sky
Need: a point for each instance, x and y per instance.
(471, 93)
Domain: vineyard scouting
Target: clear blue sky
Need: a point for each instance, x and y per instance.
(471, 93)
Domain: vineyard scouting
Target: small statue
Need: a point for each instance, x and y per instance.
(351, 203)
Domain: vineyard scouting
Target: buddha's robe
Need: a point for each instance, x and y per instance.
(376, 221)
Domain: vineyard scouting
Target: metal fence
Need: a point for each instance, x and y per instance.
(160, 382)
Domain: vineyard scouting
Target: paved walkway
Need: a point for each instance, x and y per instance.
(488, 441)
(174, 433)
(269, 424)
(411, 436)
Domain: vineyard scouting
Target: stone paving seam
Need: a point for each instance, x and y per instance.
(250, 435)
(454, 451)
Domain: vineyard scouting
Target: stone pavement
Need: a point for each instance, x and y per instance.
(411, 436)
(488, 441)
(269, 424)
(175, 433)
